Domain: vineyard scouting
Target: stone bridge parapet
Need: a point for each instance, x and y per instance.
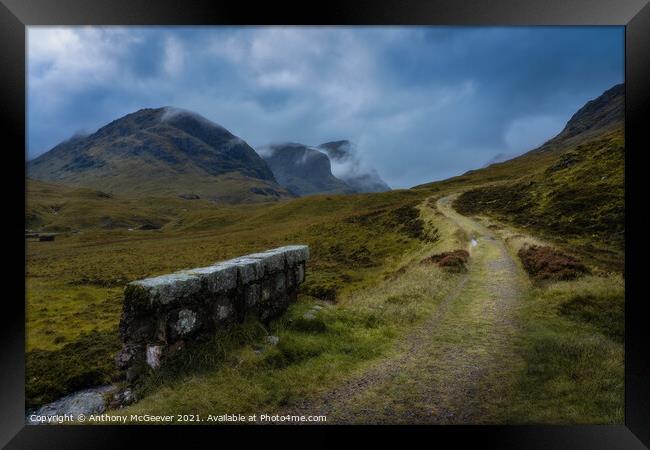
(161, 314)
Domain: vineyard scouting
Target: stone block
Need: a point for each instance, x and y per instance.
(272, 260)
(186, 322)
(167, 289)
(295, 253)
(280, 284)
(223, 313)
(266, 290)
(300, 273)
(290, 278)
(249, 269)
(220, 277)
(127, 355)
(252, 295)
(154, 354)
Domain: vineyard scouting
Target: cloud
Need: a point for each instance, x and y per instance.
(419, 103)
(525, 133)
(174, 57)
(265, 151)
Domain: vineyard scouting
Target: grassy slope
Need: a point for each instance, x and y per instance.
(574, 366)
(53, 207)
(572, 195)
(74, 283)
(565, 364)
(228, 375)
(570, 343)
(569, 338)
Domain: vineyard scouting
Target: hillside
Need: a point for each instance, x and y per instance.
(75, 284)
(161, 152)
(302, 170)
(571, 189)
(347, 167)
(380, 333)
(596, 117)
(55, 207)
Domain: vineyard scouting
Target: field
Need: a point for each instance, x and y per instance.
(74, 284)
(386, 330)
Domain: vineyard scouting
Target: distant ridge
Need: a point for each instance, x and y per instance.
(347, 166)
(302, 170)
(331, 167)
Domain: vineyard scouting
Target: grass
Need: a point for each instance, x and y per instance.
(571, 345)
(575, 198)
(430, 379)
(562, 362)
(74, 284)
(59, 312)
(84, 362)
(312, 355)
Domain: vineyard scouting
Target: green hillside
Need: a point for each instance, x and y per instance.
(571, 190)
(74, 284)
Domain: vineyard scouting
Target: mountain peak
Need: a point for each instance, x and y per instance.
(337, 150)
(301, 169)
(177, 116)
(349, 167)
(604, 112)
(145, 151)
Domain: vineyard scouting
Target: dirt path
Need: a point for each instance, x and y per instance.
(447, 369)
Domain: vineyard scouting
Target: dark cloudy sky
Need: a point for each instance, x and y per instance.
(420, 103)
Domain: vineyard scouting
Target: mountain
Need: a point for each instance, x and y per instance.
(302, 170)
(349, 168)
(570, 190)
(161, 152)
(596, 117)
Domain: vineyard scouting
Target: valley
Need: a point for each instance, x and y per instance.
(381, 332)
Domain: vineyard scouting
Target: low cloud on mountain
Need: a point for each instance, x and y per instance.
(420, 103)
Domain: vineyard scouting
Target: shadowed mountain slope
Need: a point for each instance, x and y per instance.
(161, 152)
(303, 170)
(347, 167)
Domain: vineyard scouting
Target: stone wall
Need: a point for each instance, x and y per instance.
(161, 314)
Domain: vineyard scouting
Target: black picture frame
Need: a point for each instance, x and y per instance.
(15, 15)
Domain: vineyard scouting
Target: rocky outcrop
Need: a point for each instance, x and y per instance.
(331, 168)
(160, 314)
(302, 170)
(85, 402)
(348, 167)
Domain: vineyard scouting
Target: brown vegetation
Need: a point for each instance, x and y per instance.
(544, 262)
(455, 259)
